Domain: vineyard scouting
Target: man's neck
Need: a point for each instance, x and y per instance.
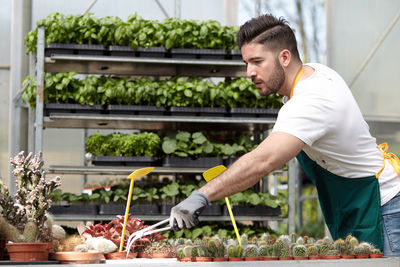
(291, 73)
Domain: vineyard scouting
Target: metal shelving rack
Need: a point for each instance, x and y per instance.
(142, 66)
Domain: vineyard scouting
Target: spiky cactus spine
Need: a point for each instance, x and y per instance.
(324, 249)
(299, 251)
(285, 252)
(300, 241)
(293, 237)
(338, 245)
(312, 250)
(333, 252)
(265, 250)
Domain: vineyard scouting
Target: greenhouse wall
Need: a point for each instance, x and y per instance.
(363, 39)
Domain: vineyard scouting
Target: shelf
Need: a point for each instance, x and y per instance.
(147, 122)
(79, 217)
(144, 66)
(95, 170)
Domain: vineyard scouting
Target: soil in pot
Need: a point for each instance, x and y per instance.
(28, 251)
(376, 255)
(120, 255)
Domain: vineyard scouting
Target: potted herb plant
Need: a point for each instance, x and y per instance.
(24, 221)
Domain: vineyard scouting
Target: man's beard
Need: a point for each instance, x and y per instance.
(276, 80)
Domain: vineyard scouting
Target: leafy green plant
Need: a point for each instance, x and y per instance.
(169, 191)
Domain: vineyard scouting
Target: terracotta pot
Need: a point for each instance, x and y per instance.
(72, 257)
(142, 254)
(299, 258)
(220, 259)
(268, 258)
(28, 251)
(286, 258)
(376, 255)
(186, 259)
(251, 259)
(161, 255)
(235, 259)
(120, 255)
(314, 257)
(362, 256)
(203, 259)
(330, 257)
(347, 256)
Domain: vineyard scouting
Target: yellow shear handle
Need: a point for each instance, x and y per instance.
(392, 158)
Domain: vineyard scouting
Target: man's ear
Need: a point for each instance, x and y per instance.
(285, 57)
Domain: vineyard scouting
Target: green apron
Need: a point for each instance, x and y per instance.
(349, 205)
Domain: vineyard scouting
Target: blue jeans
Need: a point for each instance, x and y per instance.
(391, 227)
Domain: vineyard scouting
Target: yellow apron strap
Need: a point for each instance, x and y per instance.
(392, 158)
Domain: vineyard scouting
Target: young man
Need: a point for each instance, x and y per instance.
(322, 126)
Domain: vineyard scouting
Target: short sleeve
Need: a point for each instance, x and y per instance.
(307, 118)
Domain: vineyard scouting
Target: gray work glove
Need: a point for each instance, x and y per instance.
(186, 214)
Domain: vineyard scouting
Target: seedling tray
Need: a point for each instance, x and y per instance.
(207, 162)
(138, 209)
(236, 54)
(198, 111)
(72, 108)
(253, 112)
(136, 110)
(212, 210)
(122, 51)
(157, 52)
(259, 210)
(74, 209)
(75, 49)
(123, 161)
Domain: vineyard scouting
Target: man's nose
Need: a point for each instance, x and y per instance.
(250, 72)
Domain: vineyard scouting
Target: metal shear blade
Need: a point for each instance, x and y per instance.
(145, 231)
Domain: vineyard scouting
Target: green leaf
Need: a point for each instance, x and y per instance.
(169, 146)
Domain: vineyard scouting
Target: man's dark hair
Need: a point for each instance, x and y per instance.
(270, 31)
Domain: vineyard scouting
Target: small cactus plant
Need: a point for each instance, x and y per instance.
(202, 251)
(244, 240)
(300, 241)
(235, 251)
(333, 252)
(285, 252)
(251, 251)
(312, 250)
(324, 249)
(339, 244)
(299, 251)
(265, 250)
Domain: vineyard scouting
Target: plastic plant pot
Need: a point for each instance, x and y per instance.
(347, 256)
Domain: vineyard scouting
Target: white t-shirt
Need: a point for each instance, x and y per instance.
(325, 116)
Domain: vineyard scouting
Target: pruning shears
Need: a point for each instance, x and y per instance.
(145, 231)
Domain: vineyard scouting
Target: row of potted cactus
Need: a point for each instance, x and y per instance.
(284, 247)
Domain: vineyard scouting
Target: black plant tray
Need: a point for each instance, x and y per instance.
(198, 111)
(166, 209)
(122, 51)
(74, 209)
(123, 161)
(136, 110)
(75, 49)
(135, 209)
(212, 54)
(235, 54)
(229, 160)
(212, 210)
(158, 52)
(206, 162)
(259, 210)
(12, 263)
(72, 108)
(253, 112)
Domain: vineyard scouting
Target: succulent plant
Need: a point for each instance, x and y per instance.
(324, 248)
(202, 251)
(216, 248)
(235, 251)
(312, 250)
(244, 240)
(333, 252)
(23, 217)
(327, 240)
(285, 252)
(251, 251)
(353, 241)
(376, 251)
(367, 247)
(300, 241)
(187, 251)
(293, 237)
(180, 252)
(285, 239)
(339, 244)
(160, 247)
(310, 240)
(265, 250)
(347, 249)
(299, 251)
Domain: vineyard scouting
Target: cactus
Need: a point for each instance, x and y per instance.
(293, 237)
(312, 250)
(367, 247)
(300, 241)
(347, 249)
(251, 251)
(339, 244)
(324, 249)
(327, 240)
(353, 241)
(194, 252)
(264, 237)
(180, 252)
(333, 252)
(310, 240)
(285, 252)
(244, 240)
(235, 251)
(215, 248)
(187, 251)
(299, 251)
(202, 251)
(285, 239)
(265, 250)
(376, 251)
(359, 250)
